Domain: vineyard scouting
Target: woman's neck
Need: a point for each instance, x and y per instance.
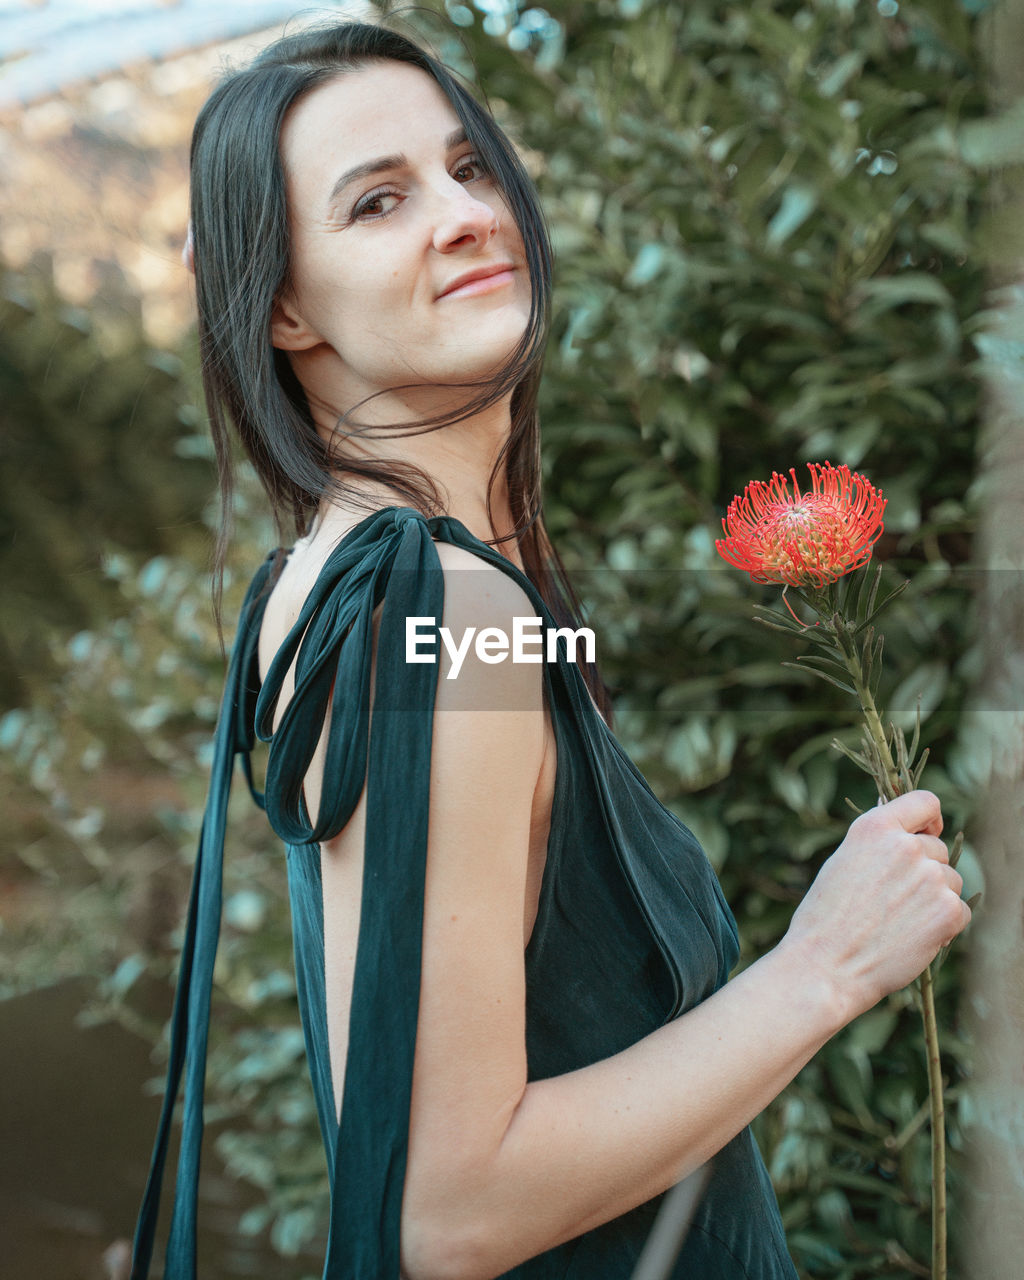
(458, 458)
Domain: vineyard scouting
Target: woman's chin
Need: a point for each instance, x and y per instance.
(482, 344)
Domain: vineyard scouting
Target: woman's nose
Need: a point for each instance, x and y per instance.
(461, 218)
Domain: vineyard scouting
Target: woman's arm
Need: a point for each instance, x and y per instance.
(500, 1170)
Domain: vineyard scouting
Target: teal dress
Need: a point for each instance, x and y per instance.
(631, 931)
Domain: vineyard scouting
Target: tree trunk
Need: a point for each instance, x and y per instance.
(993, 1242)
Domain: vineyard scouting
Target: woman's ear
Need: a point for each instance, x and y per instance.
(288, 330)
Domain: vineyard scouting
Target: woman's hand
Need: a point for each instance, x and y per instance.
(883, 904)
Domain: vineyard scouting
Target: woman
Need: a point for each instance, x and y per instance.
(512, 959)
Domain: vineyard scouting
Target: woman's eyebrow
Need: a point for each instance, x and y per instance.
(383, 163)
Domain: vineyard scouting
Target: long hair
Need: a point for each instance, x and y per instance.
(242, 262)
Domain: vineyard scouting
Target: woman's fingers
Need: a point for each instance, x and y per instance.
(935, 850)
(964, 921)
(917, 811)
(933, 847)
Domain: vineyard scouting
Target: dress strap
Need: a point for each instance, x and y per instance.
(372, 1140)
(191, 1017)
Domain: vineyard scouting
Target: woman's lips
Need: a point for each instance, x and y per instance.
(483, 284)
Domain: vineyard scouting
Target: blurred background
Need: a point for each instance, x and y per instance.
(785, 231)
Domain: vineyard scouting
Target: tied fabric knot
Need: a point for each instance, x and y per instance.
(331, 649)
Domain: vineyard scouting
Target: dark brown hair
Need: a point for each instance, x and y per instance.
(241, 244)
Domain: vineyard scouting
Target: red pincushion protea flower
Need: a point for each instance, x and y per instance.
(807, 539)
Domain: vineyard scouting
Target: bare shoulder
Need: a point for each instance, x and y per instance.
(498, 584)
(489, 646)
(476, 588)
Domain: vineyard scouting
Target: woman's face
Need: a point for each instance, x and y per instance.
(388, 208)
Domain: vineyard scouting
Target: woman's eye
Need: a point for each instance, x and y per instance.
(470, 163)
(370, 206)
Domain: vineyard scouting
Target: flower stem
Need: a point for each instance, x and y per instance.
(931, 1037)
(887, 780)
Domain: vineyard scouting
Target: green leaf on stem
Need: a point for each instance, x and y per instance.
(881, 765)
(857, 757)
(957, 849)
(903, 761)
(898, 590)
(824, 676)
(791, 628)
(876, 664)
(824, 664)
(825, 639)
(854, 588)
(870, 603)
(867, 658)
(917, 729)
